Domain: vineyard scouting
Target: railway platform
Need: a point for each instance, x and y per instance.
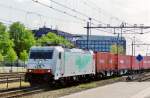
(116, 90)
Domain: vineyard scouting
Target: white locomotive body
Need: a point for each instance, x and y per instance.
(52, 63)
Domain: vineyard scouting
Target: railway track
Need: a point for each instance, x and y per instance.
(139, 77)
(25, 92)
(11, 77)
(10, 80)
(145, 78)
(12, 74)
(21, 92)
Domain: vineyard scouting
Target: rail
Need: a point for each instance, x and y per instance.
(21, 92)
(138, 77)
(6, 79)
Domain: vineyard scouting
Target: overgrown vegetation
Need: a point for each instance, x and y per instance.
(117, 49)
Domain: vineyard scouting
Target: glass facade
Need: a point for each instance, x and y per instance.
(101, 44)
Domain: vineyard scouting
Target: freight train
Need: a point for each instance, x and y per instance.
(51, 64)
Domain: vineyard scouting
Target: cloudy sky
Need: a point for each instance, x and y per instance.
(113, 12)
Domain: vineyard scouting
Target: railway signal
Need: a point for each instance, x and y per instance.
(139, 57)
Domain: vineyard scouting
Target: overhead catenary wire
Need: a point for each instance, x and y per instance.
(95, 7)
(21, 10)
(31, 12)
(100, 11)
(9, 22)
(76, 11)
(61, 11)
(41, 16)
(58, 10)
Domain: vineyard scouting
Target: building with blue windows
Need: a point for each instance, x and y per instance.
(100, 43)
(95, 43)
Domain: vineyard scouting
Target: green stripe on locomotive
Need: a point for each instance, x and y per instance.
(81, 61)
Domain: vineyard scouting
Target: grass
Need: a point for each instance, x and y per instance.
(87, 86)
(3, 86)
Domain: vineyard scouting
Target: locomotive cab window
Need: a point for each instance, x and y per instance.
(59, 55)
(41, 54)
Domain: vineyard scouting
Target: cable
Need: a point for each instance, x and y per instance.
(95, 7)
(35, 13)
(18, 9)
(74, 10)
(64, 12)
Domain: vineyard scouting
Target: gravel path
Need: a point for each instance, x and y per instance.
(116, 90)
(74, 89)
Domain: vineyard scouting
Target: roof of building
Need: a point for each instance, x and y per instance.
(74, 37)
(96, 37)
(44, 30)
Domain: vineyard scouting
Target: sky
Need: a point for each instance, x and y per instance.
(112, 12)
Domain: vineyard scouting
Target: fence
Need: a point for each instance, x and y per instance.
(12, 69)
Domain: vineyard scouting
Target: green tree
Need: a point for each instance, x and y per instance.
(24, 56)
(54, 40)
(2, 27)
(121, 49)
(1, 59)
(11, 55)
(114, 49)
(22, 37)
(5, 42)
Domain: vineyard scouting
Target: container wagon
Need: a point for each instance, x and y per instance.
(124, 63)
(103, 66)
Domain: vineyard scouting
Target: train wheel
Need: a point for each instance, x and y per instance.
(32, 83)
(99, 76)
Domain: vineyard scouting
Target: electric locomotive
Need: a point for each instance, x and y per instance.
(55, 63)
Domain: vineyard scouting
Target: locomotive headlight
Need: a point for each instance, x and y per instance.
(49, 70)
(29, 70)
(40, 62)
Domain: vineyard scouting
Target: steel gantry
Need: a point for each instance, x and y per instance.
(122, 28)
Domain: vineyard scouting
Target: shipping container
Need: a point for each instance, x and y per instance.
(135, 63)
(102, 62)
(146, 62)
(124, 62)
(113, 62)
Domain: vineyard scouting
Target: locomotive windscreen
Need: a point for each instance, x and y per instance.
(41, 54)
